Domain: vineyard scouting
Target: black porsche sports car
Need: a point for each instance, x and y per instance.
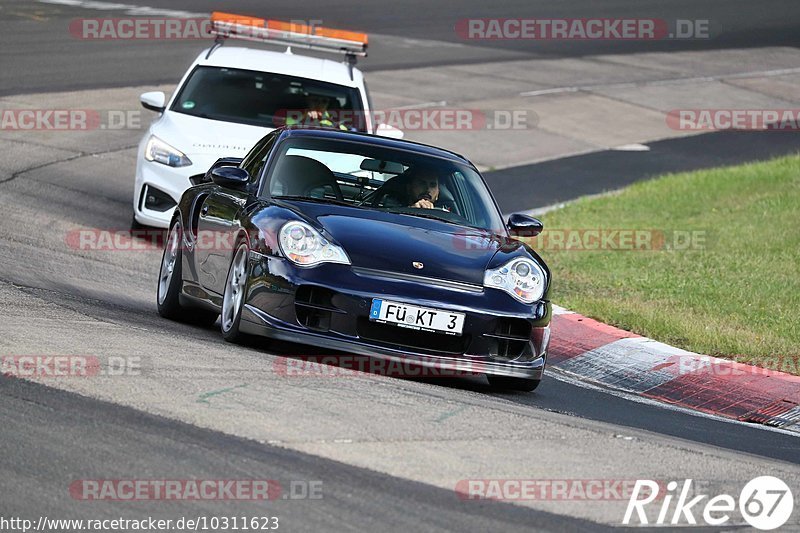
(364, 245)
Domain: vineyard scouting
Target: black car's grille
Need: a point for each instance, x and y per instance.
(424, 280)
(423, 341)
(510, 338)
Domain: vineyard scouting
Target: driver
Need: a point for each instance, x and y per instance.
(417, 188)
(316, 114)
(423, 189)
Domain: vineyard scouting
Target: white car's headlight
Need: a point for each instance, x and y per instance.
(160, 152)
(521, 278)
(303, 245)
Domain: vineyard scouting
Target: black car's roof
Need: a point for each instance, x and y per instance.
(324, 133)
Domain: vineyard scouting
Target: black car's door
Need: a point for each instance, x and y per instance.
(217, 228)
(219, 223)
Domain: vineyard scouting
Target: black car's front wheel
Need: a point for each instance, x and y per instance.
(233, 297)
(169, 277)
(170, 280)
(509, 383)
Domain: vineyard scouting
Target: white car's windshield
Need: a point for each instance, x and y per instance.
(267, 99)
(379, 177)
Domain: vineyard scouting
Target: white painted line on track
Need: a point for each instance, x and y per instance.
(539, 211)
(392, 41)
(440, 103)
(555, 90)
(633, 147)
(128, 9)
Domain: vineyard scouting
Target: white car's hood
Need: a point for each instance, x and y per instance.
(195, 135)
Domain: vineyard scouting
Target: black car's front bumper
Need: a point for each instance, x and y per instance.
(328, 306)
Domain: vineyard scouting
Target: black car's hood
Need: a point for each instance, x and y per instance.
(393, 242)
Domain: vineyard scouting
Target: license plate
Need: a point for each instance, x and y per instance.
(420, 318)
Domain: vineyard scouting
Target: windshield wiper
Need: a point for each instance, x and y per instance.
(425, 215)
(464, 224)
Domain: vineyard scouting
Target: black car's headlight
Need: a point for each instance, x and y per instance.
(160, 152)
(304, 246)
(522, 278)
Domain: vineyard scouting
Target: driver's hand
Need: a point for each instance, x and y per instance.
(423, 204)
(314, 114)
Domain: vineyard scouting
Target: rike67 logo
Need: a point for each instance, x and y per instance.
(766, 503)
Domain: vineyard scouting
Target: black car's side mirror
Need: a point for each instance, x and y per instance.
(524, 226)
(197, 179)
(230, 177)
(227, 162)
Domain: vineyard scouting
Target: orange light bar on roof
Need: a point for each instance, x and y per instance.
(344, 35)
(288, 33)
(291, 27)
(230, 18)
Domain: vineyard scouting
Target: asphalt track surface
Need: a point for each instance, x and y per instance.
(51, 437)
(104, 434)
(563, 179)
(39, 54)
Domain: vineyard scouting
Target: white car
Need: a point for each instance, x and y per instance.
(231, 97)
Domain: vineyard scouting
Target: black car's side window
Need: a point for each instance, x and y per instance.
(257, 158)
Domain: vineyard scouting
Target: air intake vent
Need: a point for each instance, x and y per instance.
(511, 337)
(313, 306)
(156, 199)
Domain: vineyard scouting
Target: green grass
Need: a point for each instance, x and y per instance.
(736, 296)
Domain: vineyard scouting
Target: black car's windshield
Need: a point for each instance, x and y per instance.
(376, 177)
(267, 99)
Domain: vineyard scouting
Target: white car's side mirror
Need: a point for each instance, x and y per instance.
(154, 101)
(385, 130)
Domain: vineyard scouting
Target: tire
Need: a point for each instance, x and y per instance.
(516, 384)
(234, 295)
(169, 283)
